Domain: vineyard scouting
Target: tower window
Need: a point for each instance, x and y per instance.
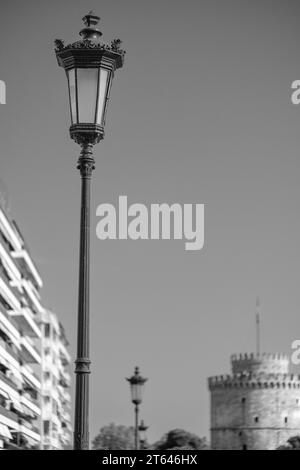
(285, 420)
(243, 400)
(256, 419)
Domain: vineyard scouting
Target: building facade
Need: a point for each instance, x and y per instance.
(257, 406)
(34, 381)
(20, 336)
(56, 381)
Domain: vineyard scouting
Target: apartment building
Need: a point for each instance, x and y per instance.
(34, 378)
(56, 381)
(20, 337)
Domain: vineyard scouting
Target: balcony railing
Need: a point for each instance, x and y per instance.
(33, 378)
(8, 381)
(30, 397)
(27, 322)
(6, 244)
(9, 317)
(9, 349)
(8, 251)
(8, 414)
(29, 351)
(30, 426)
(16, 292)
(13, 289)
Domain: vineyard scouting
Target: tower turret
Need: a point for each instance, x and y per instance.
(257, 406)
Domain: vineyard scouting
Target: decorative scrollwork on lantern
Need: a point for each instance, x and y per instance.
(59, 44)
(116, 45)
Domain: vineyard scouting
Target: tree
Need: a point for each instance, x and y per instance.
(114, 437)
(293, 443)
(180, 439)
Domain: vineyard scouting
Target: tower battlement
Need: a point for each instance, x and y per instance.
(255, 381)
(266, 363)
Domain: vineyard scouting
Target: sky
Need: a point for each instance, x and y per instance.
(201, 113)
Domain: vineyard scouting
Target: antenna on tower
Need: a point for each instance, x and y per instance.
(257, 321)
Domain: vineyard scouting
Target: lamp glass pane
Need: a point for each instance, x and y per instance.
(72, 92)
(87, 82)
(142, 435)
(103, 82)
(137, 392)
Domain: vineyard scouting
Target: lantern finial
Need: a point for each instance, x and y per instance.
(90, 31)
(90, 19)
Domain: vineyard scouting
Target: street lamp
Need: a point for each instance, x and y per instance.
(89, 65)
(142, 434)
(137, 383)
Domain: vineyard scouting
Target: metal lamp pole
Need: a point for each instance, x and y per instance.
(136, 428)
(90, 67)
(86, 165)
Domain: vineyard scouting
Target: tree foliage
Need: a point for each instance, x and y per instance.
(293, 443)
(114, 437)
(180, 439)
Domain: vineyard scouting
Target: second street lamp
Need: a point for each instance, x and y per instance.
(90, 67)
(137, 383)
(142, 434)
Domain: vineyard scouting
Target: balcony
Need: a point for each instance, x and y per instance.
(31, 377)
(8, 229)
(32, 297)
(66, 416)
(31, 431)
(24, 441)
(28, 265)
(8, 381)
(9, 350)
(9, 293)
(26, 322)
(7, 320)
(63, 373)
(16, 291)
(8, 414)
(29, 352)
(5, 251)
(65, 380)
(31, 402)
(64, 394)
(64, 355)
(51, 390)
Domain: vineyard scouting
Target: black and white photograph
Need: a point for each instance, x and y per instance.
(149, 229)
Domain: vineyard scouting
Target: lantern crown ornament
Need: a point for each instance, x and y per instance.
(142, 426)
(90, 32)
(90, 65)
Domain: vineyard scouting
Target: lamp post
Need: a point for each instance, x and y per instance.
(137, 383)
(142, 434)
(89, 65)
